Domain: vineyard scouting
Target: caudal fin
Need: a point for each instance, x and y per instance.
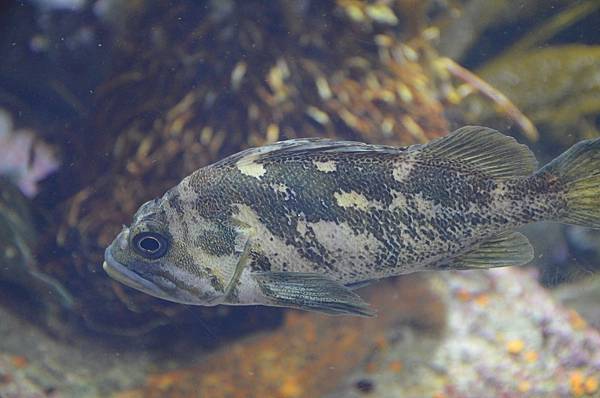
(578, 170)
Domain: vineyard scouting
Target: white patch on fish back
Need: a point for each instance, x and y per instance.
(301, 227)
(251, 169)
(503, 204)
(401, 171)
(426, 207)
(279, 187)
(186, 193)
(398, 202)
(352, 199)
(326, 167)
(284, 189)
(248, 165)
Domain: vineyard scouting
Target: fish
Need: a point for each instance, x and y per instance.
(303, 223)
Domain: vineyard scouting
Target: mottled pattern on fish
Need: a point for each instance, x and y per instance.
(353, 212)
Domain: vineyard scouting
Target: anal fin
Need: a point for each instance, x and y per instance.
(503, 250)
(311, 291)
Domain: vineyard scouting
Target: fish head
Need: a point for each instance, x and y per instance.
(163, 255)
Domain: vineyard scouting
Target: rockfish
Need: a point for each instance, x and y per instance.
(301, 223)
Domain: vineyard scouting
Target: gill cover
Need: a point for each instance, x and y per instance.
(226, 265)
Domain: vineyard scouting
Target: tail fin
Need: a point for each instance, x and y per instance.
(578, 170)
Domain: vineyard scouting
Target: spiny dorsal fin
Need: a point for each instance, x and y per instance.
(486, 150)
(500, 251)
(304, 146)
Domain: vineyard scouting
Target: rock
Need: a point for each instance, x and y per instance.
(14, 384)
(505, 337)
(23, 157)
(462, 334)
(18, 268)
(306, 356)
(583, 296)
(35, 364)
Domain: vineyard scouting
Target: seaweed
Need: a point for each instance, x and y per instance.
(194, 81)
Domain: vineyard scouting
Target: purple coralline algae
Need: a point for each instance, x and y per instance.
(23, 157)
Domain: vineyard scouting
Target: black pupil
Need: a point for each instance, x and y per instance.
(149, 244)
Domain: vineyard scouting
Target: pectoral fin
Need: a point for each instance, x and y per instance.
(313, 292)
(500, 251)
(360, 285)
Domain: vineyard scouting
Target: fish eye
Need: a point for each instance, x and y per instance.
(150, 245)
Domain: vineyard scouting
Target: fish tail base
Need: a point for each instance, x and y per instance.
(578, 172)
(583, 201)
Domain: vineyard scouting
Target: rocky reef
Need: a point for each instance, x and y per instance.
(470, 334)
(504, 337)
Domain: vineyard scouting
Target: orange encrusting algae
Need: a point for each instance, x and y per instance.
(19, 361)
(524, 386)
(581, 385)
(464, 295)
(395, 366)
(515, 346)
(290, 388)
(531, 356)
(576, 320)
(591, 385)
(576, 383)
(483, 300)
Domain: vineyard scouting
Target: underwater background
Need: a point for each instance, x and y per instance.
(105, 104)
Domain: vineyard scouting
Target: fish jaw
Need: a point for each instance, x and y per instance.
(122, 274)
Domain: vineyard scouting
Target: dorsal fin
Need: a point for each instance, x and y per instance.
(486, 150)
(303, 146)
(482, 148)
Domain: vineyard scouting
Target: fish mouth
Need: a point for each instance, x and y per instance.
(122, 274)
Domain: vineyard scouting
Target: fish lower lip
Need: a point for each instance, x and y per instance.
(120, 273)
